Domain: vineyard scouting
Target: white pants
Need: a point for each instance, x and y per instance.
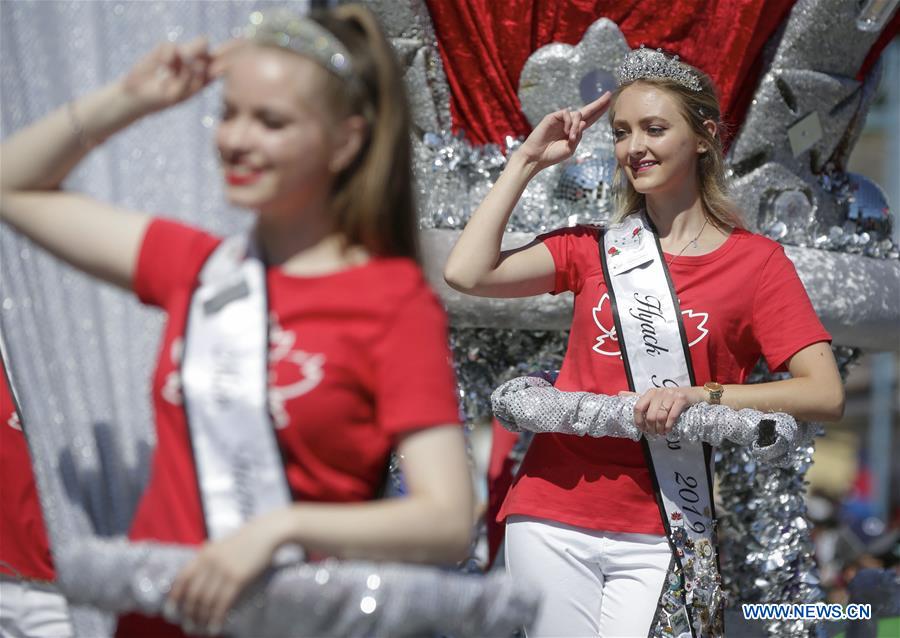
(593, 583)
(32, 610)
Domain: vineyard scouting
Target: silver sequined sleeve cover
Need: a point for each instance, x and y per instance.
(531, 403)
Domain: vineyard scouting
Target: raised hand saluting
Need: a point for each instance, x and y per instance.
(558, 134)
(169, 74)
(476, 264)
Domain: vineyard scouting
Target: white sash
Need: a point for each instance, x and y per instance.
(224, 371)
(655, 353)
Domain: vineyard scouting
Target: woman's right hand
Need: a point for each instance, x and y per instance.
(558, 134)
(169, 74)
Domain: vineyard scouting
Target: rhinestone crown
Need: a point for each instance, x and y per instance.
(647, 63)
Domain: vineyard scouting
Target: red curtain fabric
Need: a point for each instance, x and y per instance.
(485, 43)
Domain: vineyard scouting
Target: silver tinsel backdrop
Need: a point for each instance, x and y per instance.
(81, 352)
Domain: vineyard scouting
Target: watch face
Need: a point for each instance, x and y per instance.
(712, 386)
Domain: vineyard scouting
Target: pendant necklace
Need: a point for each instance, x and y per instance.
(693, 242)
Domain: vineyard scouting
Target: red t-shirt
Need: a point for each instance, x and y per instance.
(738, 302)
(358, 359)
(24, 550)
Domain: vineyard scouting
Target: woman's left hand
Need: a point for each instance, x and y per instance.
(658, 408)
(206, 589)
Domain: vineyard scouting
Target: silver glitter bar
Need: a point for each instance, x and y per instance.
(332, 598)
(533, 404)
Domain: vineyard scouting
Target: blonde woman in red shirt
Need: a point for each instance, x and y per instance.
(676, 301)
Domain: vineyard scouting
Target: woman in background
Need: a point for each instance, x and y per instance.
(30, 602)
(295, 358)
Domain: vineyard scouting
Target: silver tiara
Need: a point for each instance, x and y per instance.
(284, 28)
(647, 63)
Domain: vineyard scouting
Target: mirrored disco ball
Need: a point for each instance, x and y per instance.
(867, 206)
(595, 83)
(791, 217)
(585, 188)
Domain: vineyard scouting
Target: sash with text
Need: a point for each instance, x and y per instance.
(240, 472)
(655, 353)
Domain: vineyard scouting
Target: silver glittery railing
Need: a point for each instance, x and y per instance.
(331, 598)
(854, 296)
(531, 403)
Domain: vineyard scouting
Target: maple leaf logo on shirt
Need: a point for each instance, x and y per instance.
(309, 366)
(14, 422)
(607, 342)
(309, 369)
(171, 390)
(604, 344)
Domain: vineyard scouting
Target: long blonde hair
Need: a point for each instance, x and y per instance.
(372, 199)
(697, 107)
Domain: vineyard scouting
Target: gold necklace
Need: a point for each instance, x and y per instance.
(692, 242)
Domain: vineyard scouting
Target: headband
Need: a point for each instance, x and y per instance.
(283, 28)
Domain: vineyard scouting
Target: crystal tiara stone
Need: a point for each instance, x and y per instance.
(646, 63)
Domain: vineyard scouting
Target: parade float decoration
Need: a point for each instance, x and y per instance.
(80, 351)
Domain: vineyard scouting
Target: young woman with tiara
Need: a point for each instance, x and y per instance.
(675, 301)
(296, 356)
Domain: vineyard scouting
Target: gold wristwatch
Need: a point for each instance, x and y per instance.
(715, 391)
